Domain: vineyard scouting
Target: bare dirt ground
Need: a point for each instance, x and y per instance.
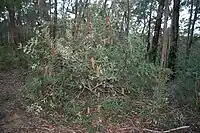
(13, 117)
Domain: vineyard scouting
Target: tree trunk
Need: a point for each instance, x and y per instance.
(174, 39)
(85, 8)
(104, 6)
(55, 19)
(81, 6)
(75, 29)
(149, 30)
(188, 50)
(122, 25)
(128, 18)
(63, 8)
(190, 21)
(153, 51)
(21, 33)
(13, 26)
(144, 26)
(166, 35)
(53, 30)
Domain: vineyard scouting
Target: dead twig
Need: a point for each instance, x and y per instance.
(91, 89)
(167, 131)
(134, 128)
(77, 96)
(96, 86)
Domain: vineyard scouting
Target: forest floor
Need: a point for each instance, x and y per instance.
(15, 119)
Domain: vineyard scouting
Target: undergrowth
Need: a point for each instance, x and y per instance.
(88, 79)
(10, 58)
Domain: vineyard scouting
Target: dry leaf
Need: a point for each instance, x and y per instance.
(98, 108)
(46, 71)
(123, 91)
(88, 110)
(98, 71)
(92, 61)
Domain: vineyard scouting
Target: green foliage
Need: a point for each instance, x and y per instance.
(112, 104)
(121, 65)
(184, 89)
(11, 58)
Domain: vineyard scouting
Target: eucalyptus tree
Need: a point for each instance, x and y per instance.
(191, 24)
(154, 48)
(174, 40)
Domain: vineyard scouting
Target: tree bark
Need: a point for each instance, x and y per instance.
(190, 21)
(166, 35)
(149, 29)
(128, 18)
(63, 8)
(54, 21)
(174, 39)
(104, 5)
(13, 27)
(122, 25)
(153, 51)
(188, 50)
(85, 8)
(144, 26)
(75, 29)
(53, 28)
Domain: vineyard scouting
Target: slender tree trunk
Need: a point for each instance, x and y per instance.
(104, 6)
(190, 21)
(75, 29)
(50, 9)
(174, 39)
(188, 50)
(21, 32)
(53, 28)
(153, 52)
(166, 35)
(128, 17)
(54, 20)
(149, 30)
(122, 25)
(63, 8)
(81, 6)
(85, 9)
(144, 26)
(13, 26)
(76, 10)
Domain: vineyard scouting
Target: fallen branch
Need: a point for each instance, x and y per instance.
(167, 131)
(91, 89)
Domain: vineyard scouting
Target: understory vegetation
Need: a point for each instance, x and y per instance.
(86, 79)
(96, 70)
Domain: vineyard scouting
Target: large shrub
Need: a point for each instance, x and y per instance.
(120, 68)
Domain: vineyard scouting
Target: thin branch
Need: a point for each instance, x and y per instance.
(167, 131)
(77, 96)
(175, 129)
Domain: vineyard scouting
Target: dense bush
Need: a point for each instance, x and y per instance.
(58, 82)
